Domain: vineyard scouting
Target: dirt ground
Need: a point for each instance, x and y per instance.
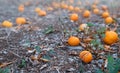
(17, 44)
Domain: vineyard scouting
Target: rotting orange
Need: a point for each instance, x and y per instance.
(105, 14)
(73, 41)
(7, 24)
(21, 8)
(74, 17)
(20, 20)
(82, 27)
(111, 37)
(86, 56)
(86, 14)
(108, 20)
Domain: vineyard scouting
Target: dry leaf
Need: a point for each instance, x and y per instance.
(87, 40)
(45, 60)
(106, 62)
(83, 45)
(106, 47)
(33, 58)
(5, 64)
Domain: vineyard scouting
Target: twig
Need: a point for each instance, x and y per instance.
(14, 53)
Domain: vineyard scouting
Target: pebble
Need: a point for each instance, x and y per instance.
(70, 60)
(115, 56)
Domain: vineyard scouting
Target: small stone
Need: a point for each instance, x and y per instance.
(5, 52)
(70, 60)
(115, 56)
(100, 61)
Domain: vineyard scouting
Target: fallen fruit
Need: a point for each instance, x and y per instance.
(86, 14)
(74, 17)
(105, 14)
(104, 7)
(42, 13)
(37, 9)
(49, 8)
(111, 37)
(71, 8)
(77, 9)
(7, 24)
(108, 20)
(20, 20)
(82, 27)
(64, 6)
(73, 41)
(21, 8)
(94, 6)
(96, 11)
(86, 56)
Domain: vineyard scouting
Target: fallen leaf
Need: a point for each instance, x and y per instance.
(45, 60)
(5, 64)
(87, 40)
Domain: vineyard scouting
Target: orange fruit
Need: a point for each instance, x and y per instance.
(27, 3)
(73, 41)
(71, 1)
(42, 13)
(79, 2)
(56, 5)
(71, 8)
(105, 14)
(65, 6)
(86, 14)
(96, 2)
(111, 37)
(49, 8)
(96, 11)
(37, 9)
(77, 9)
(20, 20)
(21, 8)
(86, 56)
(108, 20)
(104, 7)
(74, 17)
(82, 27)
(7, 24)
(94, 6)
